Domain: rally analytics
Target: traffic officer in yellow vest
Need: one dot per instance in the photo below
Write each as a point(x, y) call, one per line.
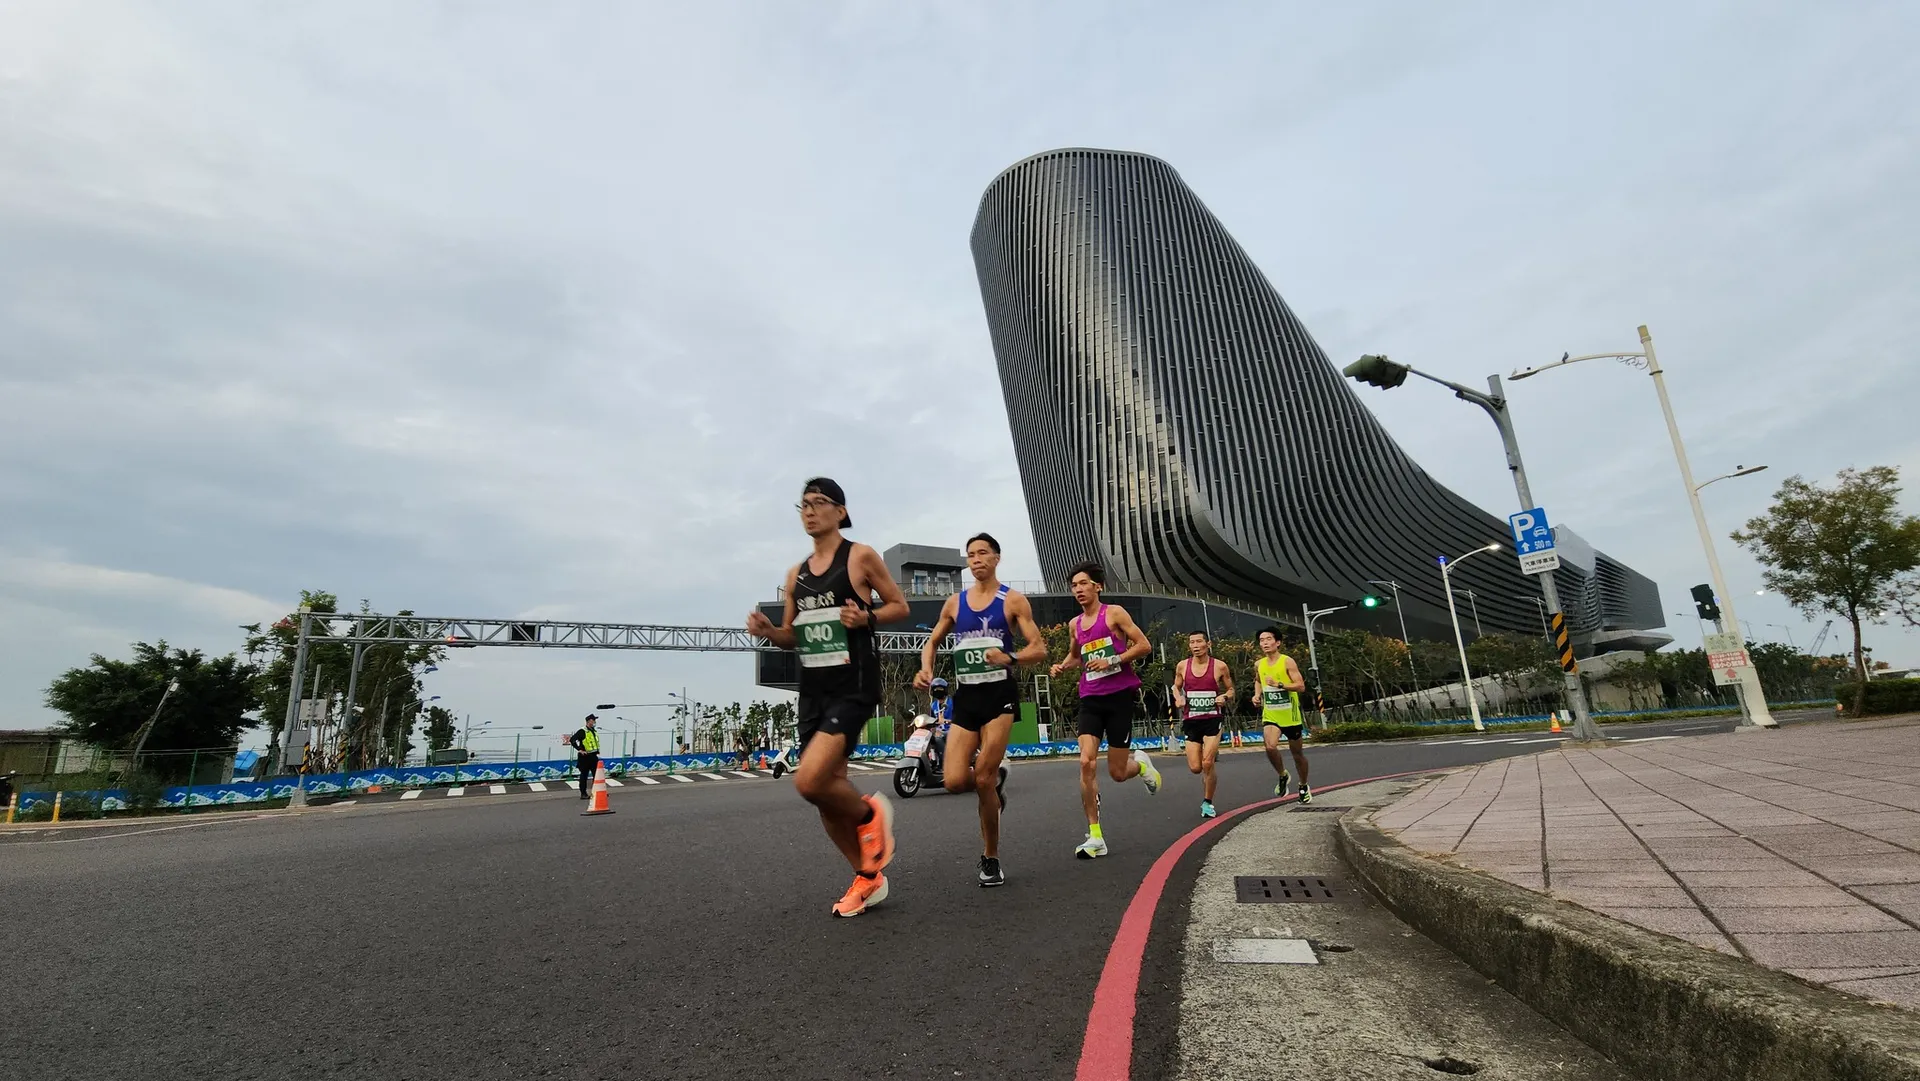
point(586, 742)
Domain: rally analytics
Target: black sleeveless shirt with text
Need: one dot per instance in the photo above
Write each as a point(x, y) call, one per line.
point(836, 661)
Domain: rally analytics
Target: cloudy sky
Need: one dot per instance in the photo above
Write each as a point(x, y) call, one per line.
point(500, 309)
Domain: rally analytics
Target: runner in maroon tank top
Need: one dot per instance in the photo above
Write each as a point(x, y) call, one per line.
point(1202, 686)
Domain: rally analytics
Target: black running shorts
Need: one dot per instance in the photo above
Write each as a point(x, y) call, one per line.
point(1206, 728)
point(975, 704)
point(1110, 716)
point(836, 716)
point(1287, 731)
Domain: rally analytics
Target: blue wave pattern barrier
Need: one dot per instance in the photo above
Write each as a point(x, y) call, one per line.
point(328, 784)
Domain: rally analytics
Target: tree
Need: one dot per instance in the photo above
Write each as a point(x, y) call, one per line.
point(106, 703)
point(388, 694)
point(440, 728)
point(1844, 550)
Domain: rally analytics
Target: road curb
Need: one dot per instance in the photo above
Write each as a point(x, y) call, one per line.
point(1663, 1007)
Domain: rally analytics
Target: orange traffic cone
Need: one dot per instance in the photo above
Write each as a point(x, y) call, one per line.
point(599, 805)
point(1556, 721)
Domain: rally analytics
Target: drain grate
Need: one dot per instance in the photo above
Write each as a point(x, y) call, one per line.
point(1286, 890)
point(1317, 807)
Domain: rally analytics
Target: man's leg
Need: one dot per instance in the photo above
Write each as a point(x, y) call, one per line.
point(1194, 763)
point(1299, 750)
point(821, 779)
point(585, 764)
point(1209, 756)
point(1271, 735)
point(956, 763)
point(1120, 763)
point(986, 780)
point(1089, 780)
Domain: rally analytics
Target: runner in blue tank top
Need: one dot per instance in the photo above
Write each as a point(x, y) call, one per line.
point(983, 619)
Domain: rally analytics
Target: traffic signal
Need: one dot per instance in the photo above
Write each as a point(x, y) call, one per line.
point(1704, 602)
point(1371, 601)
point(1378, 371)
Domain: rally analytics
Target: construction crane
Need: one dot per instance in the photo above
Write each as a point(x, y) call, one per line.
point(1820, 639)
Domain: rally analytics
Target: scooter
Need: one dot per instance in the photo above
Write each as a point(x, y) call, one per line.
point(785, 761)
point(920, 764)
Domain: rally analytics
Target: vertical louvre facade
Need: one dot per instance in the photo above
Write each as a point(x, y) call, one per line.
point(1173, 419)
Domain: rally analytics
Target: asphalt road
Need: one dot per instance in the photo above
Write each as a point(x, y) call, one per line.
point(686, 936)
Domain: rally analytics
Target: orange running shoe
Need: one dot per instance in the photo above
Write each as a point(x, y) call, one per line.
point(863, 893)
point(876, 836)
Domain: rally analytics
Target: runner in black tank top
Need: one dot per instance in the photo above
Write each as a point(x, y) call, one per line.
point(830, 622)
point(818, 599)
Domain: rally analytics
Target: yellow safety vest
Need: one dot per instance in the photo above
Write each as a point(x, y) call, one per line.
point(589, 741)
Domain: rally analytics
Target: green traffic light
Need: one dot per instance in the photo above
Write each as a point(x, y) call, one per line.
point(1369, 602)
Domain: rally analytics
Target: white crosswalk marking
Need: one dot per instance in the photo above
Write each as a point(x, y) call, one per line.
point(497, 789)
point(683, 778)
point(742, 773)
point(456, 791)
point(647, 780)
point(615, 782)
point(856, 765)
point(536, 786)
point(346, 803)
point(410, 794)
point(713, 776)
point(1549, 739)
point(1648, 739)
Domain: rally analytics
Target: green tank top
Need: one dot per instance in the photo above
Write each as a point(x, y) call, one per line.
point(1277, 704)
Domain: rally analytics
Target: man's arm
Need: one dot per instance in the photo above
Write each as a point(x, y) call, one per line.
point(1224, 673)
point(1294, 680)
point(760, 626)
point(869, 574)
point(1123, 624)
point(924, 678)
point(1020, 614)
point(1072, 660)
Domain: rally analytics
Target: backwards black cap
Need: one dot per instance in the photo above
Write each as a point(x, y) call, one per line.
point(830, 488)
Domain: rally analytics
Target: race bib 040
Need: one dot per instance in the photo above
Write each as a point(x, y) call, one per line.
point(822, 638)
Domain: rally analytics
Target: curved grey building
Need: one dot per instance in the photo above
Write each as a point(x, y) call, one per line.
point(1172, 418)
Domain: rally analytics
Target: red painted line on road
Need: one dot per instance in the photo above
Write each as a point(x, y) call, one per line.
point(1106, 1053)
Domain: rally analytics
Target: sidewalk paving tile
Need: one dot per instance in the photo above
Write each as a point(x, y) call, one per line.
point(1715, 897)
point(1899, 990)
point(1793, 920)
point(1646, 897)
point(1817, 949)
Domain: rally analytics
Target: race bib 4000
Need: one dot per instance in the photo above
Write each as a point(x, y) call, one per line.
point(822, 638)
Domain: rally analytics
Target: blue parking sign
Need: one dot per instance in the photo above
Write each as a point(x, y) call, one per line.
point(1533, 541)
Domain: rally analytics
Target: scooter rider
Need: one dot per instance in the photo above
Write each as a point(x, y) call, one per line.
point(940, 708)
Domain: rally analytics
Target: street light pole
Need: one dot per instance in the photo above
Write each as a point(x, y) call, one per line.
point(1453, 613)
point(1753, 699)
point(1383, 372)
point(1313, 656)
point(1397, 610)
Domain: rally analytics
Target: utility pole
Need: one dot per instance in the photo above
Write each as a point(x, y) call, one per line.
point(299, 796)
point(1307, 616)
point(1381, 372)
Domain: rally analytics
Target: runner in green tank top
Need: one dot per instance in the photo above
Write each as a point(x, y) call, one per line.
point(1277, 684)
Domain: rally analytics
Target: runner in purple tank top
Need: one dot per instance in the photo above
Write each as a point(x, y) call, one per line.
point(1202, 684)
point(1106, 642)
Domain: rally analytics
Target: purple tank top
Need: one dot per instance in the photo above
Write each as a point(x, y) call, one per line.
point(1095, 639)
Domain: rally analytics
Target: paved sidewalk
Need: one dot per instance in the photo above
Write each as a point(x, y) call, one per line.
point(1798, 849)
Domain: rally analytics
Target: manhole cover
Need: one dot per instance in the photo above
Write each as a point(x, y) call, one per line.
point(1285, 890)
point(1264, 951)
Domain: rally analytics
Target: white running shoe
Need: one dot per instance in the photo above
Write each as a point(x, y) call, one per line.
point(1091, 848)
point(1148, 772)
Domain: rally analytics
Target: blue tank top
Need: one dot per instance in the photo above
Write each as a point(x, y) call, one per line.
point(976, 632)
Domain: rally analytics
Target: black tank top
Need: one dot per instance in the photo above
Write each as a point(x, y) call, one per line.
point(836, 661)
